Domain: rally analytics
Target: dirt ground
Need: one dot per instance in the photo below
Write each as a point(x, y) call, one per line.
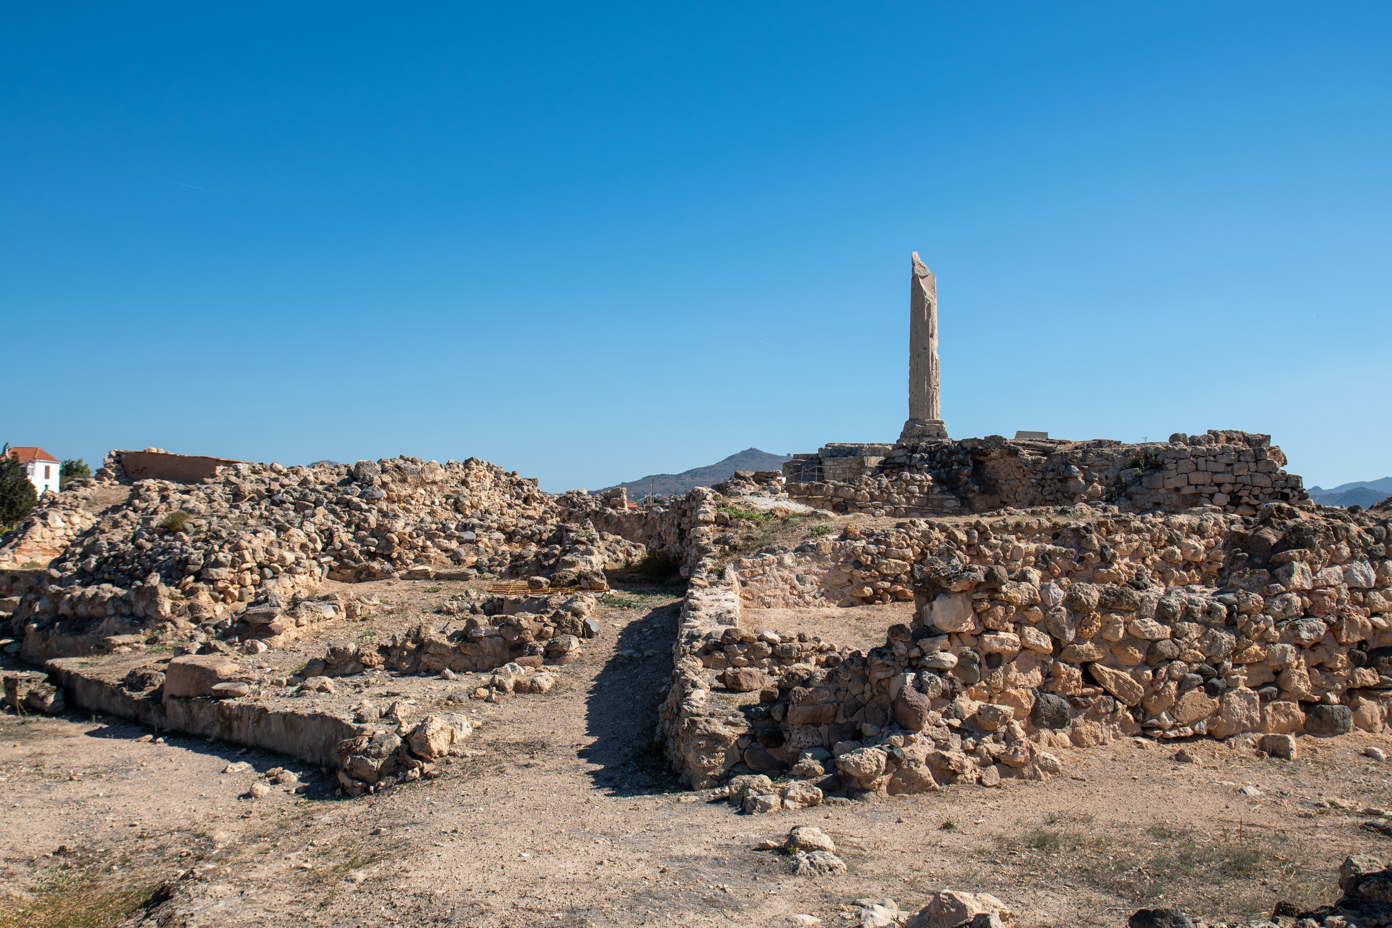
point(862, 627)
point(564, 815)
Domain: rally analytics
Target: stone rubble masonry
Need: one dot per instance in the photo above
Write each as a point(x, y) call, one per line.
point(257, 539)
point(1235, 471)
point(231, 565)
point(1045, 630)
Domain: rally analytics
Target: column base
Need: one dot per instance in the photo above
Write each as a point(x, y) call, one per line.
point(923, 430)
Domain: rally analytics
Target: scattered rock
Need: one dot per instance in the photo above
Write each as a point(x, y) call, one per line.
point(810, 838)
point(817, 863)
point(950, 909)
point(230, 690)
point(1158, 918)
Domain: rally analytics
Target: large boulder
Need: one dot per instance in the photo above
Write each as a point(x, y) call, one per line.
point(1239, 710)
point(949, 909)
point(1050, 711)
point(439, 736)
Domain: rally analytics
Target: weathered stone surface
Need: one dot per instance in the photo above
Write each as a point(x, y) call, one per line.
point(912, 709)
point(1159, 918)
point(1119, 684)
point(743, 679)
point(439, 736)
point(1323, 719)
point(1239, 710)
point(950, 612)
point(925, 412)
point(810, 838)
point(951, 909)
point(195, 675)
point(1050, 711)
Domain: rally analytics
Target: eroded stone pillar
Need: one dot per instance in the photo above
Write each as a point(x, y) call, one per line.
point(925, 411)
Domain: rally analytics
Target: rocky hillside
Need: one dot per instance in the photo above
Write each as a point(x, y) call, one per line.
point(709, 475)
point(1359, 493)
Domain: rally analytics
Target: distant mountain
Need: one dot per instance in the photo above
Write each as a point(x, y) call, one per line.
point(709, 475)
point(1361, 493)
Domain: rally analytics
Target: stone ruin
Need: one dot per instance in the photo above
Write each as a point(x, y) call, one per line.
point(1064, 594)
point(926, 474)
point(1055, 595)
point(165, 596)
point(1041, 631)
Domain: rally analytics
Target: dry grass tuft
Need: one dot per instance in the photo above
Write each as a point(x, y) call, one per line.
point(1235, 872)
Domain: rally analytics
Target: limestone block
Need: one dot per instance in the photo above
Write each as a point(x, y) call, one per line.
point(1119, 684)
point(1193, 706)
point(1359, 574)
point(863, 765)
point(1147, 629)
point(1239, 710)
point(1082, 652)
point(1000, 643)
point(195, 675)
point(1034, 639)
point(1369, 715)
point(949, 909)
point(439, 736)
point(951, 612)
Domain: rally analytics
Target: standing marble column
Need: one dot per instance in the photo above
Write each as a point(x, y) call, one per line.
point(925, 411)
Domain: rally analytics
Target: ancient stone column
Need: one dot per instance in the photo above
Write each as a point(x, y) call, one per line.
point(925, 412)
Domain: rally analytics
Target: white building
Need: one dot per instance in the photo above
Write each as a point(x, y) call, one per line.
point(41, 467)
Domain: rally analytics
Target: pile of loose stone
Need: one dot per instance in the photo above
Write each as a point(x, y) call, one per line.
point(1058, 630)
point(50, 528)
point(525, 632)
point(225, 574)
point(1365, 884)
point(245, 546)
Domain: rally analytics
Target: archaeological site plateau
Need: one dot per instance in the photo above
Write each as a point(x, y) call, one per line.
point(969, 674)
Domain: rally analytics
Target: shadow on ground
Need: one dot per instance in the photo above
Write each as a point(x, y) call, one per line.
point(621, 710)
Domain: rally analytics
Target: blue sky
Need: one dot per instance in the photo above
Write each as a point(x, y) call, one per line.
point(593, 241)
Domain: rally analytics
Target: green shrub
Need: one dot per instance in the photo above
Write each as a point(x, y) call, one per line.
point(174, 522)
point(738, 514)
point(74, 467)
point(17, 494)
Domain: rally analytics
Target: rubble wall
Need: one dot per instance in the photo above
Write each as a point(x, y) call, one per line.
point(1237, 471)
point(1064, 630)
point(194, 558)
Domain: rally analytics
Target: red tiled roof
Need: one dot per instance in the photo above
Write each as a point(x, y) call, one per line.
point(32, 454)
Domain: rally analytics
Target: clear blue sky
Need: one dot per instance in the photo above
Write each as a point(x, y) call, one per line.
point(593, 241)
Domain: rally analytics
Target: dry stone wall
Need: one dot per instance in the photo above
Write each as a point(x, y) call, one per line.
point(1059, 629)
point(50, 527)
point(1238, 471)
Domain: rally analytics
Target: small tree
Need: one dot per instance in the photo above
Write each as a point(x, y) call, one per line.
point(70, 469)
point(17, 493)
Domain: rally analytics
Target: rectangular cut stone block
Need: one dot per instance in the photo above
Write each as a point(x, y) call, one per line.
point(196, 674)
